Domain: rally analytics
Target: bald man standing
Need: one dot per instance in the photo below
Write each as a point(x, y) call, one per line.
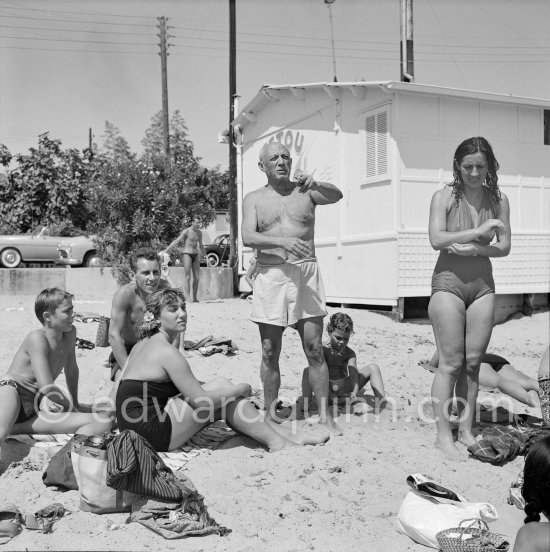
point(279, 223)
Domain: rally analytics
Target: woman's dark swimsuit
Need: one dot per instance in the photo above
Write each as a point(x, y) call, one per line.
point(469, 278)
point(496, 361)
point(140, 405)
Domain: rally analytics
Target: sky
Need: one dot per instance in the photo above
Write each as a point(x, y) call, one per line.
point(70, 65)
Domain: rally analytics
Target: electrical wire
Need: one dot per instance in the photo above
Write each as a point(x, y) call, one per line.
point(70, 30)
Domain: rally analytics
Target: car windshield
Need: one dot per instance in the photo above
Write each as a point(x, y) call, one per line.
point(39, 231)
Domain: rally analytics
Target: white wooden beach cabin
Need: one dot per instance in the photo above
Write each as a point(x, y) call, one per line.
point(389, 146)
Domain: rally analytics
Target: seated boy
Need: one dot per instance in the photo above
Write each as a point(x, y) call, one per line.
point(345, 379)
point(44, 353)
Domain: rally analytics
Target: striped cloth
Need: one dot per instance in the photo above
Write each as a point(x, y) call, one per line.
point(133, 465)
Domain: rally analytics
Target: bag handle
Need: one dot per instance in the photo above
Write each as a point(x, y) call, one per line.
point(482, 527)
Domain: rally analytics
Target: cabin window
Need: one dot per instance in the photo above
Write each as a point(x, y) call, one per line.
point(547, 127)
point(376, 144)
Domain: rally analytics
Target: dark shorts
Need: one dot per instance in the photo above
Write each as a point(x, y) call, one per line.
point(496, 361)
point(27, 400)
point(113, 363)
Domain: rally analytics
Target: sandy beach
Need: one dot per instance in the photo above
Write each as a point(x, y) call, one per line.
point(343, 495)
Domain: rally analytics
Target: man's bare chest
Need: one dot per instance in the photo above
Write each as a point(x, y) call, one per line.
point(295, 209)
point(136, 311)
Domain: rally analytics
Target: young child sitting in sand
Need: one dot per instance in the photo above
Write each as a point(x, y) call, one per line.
point(535, 537)
point(345, 379)
point(44, 353)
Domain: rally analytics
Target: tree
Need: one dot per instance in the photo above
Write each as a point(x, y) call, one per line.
point(115, 146)
point(181, 147)
point(141, 203)
point(48, 187)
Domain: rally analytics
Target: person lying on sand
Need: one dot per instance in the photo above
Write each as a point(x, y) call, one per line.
point(28, 387)
point(497, 372)
point(345, 379)
point(160, 398)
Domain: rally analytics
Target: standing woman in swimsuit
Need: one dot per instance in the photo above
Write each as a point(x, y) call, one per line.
point(469, 223)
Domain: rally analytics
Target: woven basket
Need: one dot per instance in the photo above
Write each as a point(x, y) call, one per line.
point(472, 535)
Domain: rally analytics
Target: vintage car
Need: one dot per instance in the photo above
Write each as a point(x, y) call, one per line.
point(77, 251)
point(39, 247)
point(217, 253)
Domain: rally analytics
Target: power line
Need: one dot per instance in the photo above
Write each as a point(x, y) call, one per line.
point(72, 51)
point(372, 42)
point(77, 21)
point(65, 12)
point(81, 41)
point(71, 30)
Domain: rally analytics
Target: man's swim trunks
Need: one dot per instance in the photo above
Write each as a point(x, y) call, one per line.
point(469, 278)
point(113, 363)
point(27, 399)
point(288, 292)
point(193, 256)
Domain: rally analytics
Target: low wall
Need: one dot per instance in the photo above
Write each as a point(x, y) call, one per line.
point(94, 282)
point(30, 281)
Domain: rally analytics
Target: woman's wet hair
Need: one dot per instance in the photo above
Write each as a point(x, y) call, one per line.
point(469, 147)
point(149, 323)
point(340, 321)
point(536, 481)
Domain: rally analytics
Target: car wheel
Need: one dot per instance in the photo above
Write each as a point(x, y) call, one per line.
point(212, 260)
point(10, 258)
point(91, 259)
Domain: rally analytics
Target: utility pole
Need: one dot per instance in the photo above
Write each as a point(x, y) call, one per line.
point(407, 50)
point(163, 57)
point(233, 212)
point(329, 6)
point(90, 144)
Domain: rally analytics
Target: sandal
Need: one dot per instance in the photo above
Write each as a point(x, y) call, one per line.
point(44, 519)
point(84, 343)
point(10, 523)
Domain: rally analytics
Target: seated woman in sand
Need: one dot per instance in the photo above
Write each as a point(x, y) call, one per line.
point(160, 399)
point(533, 536)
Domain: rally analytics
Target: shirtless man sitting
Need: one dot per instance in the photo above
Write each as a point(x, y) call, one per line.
point(279, 222)
point(29, 386)
point(192, 250)
point(128, 307)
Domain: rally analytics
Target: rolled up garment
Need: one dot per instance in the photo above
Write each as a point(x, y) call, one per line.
point(544, 394)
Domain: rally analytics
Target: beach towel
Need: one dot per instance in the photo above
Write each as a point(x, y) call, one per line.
point(134, 466)
point(173, 520)
point(202, 442)
point(499, 445)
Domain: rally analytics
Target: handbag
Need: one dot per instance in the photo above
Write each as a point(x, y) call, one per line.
point(471, 535)
point(429, 508)
point(59, 472)
point(102, 336)
point(90, 469)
